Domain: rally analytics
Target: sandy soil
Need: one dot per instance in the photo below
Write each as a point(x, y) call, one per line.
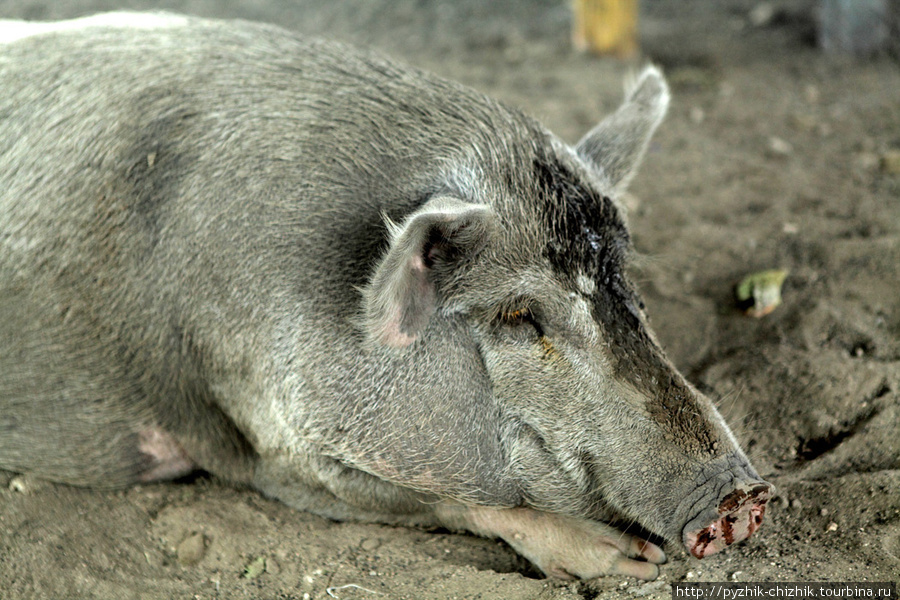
point(772, 156)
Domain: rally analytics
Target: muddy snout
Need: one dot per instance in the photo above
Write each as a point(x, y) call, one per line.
point(738, 515)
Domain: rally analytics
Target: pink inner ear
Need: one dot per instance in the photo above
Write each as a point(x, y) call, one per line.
point(417, 265)
point(402, 296)
point(410, 309)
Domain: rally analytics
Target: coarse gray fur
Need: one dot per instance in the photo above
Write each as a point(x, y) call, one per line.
point(367, 291)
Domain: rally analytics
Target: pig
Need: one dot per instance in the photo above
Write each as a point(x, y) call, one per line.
point(361, 289)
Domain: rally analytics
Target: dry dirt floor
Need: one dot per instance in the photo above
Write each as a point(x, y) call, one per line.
point(773, 156)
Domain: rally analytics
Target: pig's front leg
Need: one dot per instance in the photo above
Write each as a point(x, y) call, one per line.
point(560, 546)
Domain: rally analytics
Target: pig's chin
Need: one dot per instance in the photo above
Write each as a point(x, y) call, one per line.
point(740, 514)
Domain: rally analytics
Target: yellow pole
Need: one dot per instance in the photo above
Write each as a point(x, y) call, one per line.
point(605, 26)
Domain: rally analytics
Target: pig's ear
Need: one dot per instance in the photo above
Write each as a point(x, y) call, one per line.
point(615, 147)
point(402, 295)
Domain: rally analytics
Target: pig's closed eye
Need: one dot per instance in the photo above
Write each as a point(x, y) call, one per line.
point(521, 317)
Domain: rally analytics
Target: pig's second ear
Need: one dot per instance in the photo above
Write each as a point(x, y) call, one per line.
point(403, 292)
point(615, 147)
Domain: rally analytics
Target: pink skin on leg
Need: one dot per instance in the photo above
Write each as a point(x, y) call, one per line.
point(563, 547)
point(168, 458)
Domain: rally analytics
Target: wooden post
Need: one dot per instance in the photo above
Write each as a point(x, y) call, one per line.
point(605, 26)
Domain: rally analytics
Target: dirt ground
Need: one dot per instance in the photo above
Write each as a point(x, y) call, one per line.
point(773, 156)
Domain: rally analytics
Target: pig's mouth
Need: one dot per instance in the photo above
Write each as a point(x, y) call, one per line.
point(740, 513)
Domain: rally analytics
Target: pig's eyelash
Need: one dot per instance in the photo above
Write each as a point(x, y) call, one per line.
point(521, 316)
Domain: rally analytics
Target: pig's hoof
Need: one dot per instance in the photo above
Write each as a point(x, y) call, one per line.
point(570, 548)
point(622, 555)
point(741, 513)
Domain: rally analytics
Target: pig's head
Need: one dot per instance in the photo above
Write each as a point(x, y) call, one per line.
point(596, 421)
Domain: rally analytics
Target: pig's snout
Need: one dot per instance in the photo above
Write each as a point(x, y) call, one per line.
point(740, 513)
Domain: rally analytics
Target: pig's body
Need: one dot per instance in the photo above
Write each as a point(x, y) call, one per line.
point(368, 292)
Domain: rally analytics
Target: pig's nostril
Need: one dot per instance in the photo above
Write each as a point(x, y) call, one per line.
point(763, 488)
point(740, 515)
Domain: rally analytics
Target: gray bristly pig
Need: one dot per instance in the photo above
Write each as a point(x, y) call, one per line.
point(368, 292)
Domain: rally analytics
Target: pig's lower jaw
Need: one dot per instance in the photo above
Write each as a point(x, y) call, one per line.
point(741, 513)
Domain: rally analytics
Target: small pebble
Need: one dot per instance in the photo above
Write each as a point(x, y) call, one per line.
point(370, 544)
point(824, 512)
point(191, 549)
point(779, 147)
point(18, 484)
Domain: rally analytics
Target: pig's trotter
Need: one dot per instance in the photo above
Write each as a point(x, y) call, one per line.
point(561, 546)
